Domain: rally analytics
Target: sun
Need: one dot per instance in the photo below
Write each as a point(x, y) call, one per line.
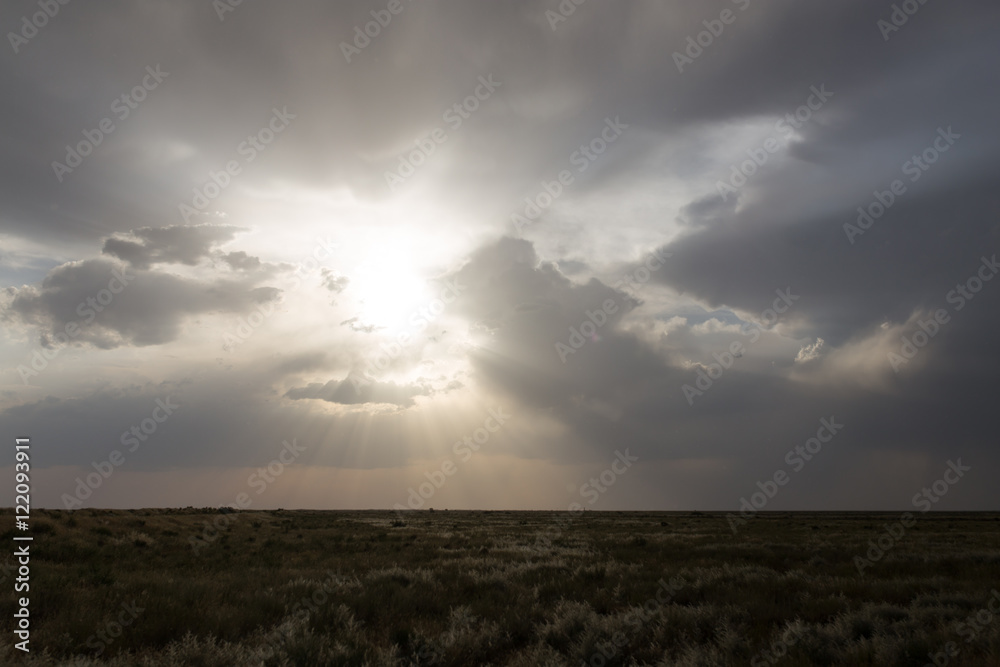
point(389, 287)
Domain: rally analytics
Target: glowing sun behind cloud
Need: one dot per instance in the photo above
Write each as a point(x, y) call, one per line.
point(389, 286)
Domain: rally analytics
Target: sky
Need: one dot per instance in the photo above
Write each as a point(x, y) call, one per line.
point(634, 255)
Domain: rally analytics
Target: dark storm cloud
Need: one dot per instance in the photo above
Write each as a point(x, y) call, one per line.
point(864, 138)
point(898, 265)
point(356, 118)
point(526, 312)
point(622, 389)
point(176, 244)
point(108, 305)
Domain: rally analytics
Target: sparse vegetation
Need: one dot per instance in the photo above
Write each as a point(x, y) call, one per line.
point(472, 588)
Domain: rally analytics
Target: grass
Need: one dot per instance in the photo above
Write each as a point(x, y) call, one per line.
point(281, 588)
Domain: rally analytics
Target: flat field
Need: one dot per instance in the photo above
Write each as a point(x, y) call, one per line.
point(458, 588)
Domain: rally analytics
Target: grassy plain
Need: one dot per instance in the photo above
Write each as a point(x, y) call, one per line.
point(450, 588)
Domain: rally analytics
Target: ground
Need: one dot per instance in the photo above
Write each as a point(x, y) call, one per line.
point(196, 587)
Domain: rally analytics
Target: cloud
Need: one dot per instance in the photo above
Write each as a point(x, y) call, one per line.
point(334, 282)
point(810, 352)
point(358, 392)
point(108, 305)
point(176, 244)
point(241, 261)
point(356, 324)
